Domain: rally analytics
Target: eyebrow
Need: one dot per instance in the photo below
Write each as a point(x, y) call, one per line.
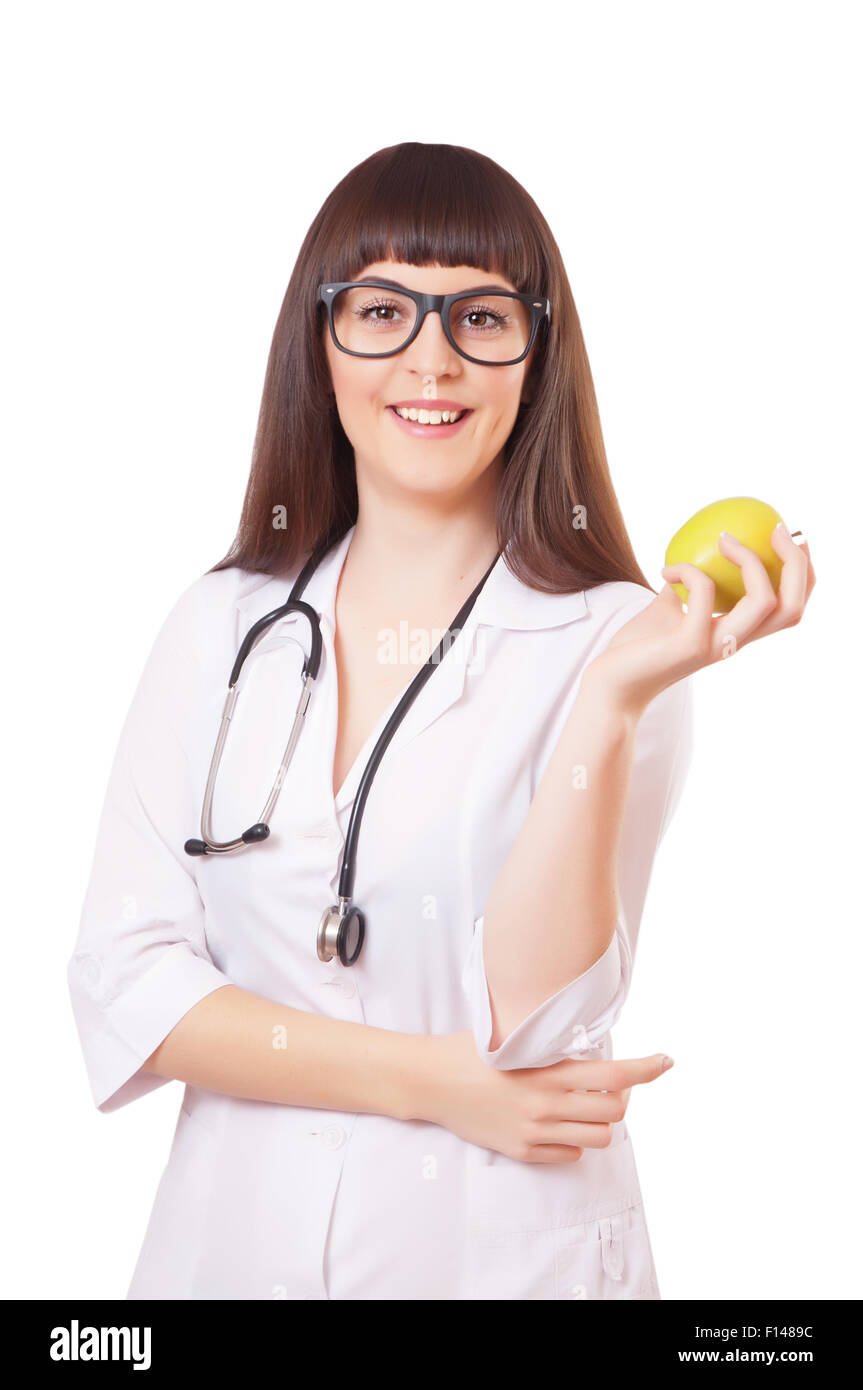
point(396, 285)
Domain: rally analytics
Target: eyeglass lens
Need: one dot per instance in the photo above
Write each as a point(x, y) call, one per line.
point(373, 320)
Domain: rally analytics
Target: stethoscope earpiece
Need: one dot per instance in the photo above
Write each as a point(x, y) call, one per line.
point(255, 833)
point(252, 836)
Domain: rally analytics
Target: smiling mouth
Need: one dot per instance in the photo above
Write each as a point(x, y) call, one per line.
point(431, 418)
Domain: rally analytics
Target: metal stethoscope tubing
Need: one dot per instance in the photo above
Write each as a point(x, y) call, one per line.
point(260, 830)
point(342, 927)
point(311, 665)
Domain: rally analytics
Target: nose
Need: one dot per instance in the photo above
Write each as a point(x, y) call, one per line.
point(431, 351)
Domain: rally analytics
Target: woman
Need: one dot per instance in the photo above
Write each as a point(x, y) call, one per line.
point(439, 1117)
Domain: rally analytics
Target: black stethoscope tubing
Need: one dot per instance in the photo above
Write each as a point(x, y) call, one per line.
point(335, 935)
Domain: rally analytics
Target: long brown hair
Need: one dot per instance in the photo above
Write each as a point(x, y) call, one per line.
point(445, 205)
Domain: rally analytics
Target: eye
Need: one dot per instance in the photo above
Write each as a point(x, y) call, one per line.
point(496, 319)
point(373, 311)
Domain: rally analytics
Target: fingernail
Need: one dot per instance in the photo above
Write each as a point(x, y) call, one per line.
point(728, 536)
point(666, 1063)
point(780, 526)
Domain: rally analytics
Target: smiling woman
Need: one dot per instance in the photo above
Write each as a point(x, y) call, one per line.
point(441, 1117)
point(469, 326)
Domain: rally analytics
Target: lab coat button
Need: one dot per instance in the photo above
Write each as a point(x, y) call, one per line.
point(577, 1043)
point(332, 1137)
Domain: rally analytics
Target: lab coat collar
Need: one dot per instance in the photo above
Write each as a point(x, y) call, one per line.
point(504, 600)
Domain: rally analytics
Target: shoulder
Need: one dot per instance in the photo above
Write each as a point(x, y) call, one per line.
point(209, 595)
point(510, 603)
point(203, 624)
point(611, 606)
point(617, 597)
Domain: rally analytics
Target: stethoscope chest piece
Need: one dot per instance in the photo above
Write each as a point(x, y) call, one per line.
point(342, 927)
point(341, 933)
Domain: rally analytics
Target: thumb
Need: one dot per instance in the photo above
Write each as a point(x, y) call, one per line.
point(631, 1071)
point(669, 595)
point(649, 1068)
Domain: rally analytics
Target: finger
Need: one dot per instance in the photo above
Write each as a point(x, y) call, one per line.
point(759, 600)
point(612, 1075)
point(701, 595)
point(669, 595)
point(578, 1134)
point(810, 580)
point(553, 1153)
point(669, 603)
point(587, 1107)
point(794, 582)
point(804, 545)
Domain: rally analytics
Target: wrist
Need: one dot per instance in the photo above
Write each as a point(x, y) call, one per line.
point(609, 708)
point(416, 1079)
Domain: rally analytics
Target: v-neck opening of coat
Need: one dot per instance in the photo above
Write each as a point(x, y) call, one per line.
point(351, 780)
point(345, 794)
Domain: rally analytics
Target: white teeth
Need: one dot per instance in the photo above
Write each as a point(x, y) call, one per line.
point(428, 417)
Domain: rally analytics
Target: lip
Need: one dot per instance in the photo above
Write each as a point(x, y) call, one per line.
point(429, 432)
point(426, 404)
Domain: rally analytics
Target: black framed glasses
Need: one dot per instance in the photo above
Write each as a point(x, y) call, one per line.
point(375, 318)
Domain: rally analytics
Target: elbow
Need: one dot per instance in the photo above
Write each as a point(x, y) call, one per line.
point(572, 1023)
point(125, 1008)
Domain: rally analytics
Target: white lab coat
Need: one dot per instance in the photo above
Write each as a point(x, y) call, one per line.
point(259, 1200)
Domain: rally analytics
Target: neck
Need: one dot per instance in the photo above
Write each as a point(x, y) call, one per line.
point(405, 555)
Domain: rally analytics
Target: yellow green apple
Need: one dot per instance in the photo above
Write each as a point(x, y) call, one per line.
point(697, 542)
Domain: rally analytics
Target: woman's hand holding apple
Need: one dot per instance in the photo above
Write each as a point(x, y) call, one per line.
point(663, 644)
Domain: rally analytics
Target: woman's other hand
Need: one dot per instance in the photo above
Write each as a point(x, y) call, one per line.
point(663, 644)
point(536, 1114)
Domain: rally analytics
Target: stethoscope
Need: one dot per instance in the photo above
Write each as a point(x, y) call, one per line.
point(342, 927)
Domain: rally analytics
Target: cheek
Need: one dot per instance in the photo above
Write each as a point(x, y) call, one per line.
point(349, 397)
point(358, 391)
point(503, 408)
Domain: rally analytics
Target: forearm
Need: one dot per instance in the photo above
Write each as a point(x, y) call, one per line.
point(552, 910)
point(242, 1044)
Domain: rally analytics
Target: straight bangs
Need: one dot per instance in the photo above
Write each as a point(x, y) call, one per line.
point(558, 519)
point(448, 207)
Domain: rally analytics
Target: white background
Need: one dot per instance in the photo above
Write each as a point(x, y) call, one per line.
point(699, 167)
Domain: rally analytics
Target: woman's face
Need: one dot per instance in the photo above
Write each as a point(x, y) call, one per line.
point(390, 456)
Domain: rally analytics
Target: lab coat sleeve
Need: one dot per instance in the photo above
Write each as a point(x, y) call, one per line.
point(575, 1021)
point(141, 960)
